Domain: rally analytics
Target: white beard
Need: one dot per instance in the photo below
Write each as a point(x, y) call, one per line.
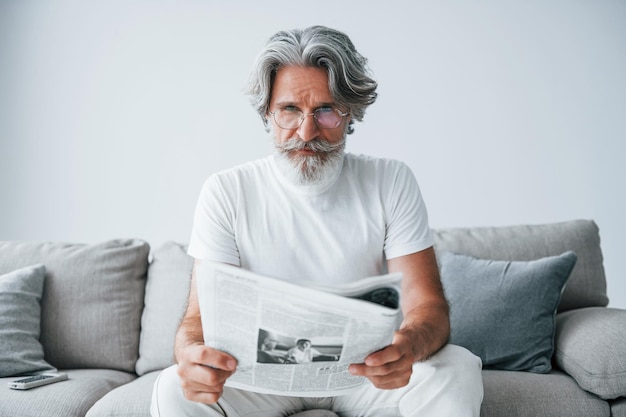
point(310, 169)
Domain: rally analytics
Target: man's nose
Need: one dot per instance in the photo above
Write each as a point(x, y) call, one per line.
point(308, 129)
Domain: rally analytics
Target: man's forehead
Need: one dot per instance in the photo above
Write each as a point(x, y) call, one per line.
point(301, 86)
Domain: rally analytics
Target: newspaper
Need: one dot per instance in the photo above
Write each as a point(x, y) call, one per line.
point(293, 340)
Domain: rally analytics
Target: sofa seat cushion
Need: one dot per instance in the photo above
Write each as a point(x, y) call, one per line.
point(71, 398)
point(514, 394)
point(618, 407)
point(92, 300)
point(130, 400)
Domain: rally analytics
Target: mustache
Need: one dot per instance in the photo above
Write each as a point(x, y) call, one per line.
point(315, 145)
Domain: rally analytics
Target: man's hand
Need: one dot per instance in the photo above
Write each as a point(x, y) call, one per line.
point(203, 372)
point(390, 367)
point(425, 327)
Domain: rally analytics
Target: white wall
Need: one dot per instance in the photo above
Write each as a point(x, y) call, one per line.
point(113, 113)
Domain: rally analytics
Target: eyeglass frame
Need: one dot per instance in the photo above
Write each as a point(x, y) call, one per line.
point(303, 115)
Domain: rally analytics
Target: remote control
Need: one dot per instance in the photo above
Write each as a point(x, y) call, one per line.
point(37, 380)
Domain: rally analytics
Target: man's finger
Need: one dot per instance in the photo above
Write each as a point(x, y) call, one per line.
point(215, 359)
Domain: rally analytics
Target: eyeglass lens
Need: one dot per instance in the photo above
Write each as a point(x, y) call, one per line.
point(326, 118)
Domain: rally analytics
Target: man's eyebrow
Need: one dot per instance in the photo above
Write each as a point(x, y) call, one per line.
point(285, 103)
point(293, 103)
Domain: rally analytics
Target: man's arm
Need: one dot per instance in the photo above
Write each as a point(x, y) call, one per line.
point(202, 370)
point(424, 330)
point(426, 314)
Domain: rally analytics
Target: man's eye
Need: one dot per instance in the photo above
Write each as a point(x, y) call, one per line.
point(324, 110)
point(290, 109)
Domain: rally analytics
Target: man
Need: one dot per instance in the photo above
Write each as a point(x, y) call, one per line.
point(313, 214)
point(304, 352)
point(267, 353)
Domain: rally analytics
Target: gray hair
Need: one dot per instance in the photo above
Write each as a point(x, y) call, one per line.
point(316, 46)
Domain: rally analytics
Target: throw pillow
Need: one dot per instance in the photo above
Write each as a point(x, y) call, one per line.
point(167, 289)
point(20, 293)
point(504, 311)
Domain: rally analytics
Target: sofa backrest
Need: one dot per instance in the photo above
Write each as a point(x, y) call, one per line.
point(92, 300)
point(93, 297)
point(586, 286)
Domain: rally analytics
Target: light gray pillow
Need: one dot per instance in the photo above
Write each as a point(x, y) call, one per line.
point(591, 347)
point(169, 275)
point(20, 312)
point(504, 311)
point(92, 301)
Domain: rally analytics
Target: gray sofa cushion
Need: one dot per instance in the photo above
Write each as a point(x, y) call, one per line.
point(92, 300)
point(591, 347)
point(130, 400)
point(618, 407)
point(71, 398)
point(586, 286)
point(515, 394)
point(504, 311)
point(167, 288)
point(20, 311)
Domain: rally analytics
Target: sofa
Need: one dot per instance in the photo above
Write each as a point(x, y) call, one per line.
point(530, 300)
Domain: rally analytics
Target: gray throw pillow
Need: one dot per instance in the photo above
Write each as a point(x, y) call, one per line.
point(504, 311)
point(169, 276)
point(20, 294)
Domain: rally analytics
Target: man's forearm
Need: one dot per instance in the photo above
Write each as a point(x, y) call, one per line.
point(428, 329)
point(190, 328)
point(426, 321)
point(189, 333)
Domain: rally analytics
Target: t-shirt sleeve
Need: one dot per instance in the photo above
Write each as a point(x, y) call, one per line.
point(407, 218)
point(212, 234)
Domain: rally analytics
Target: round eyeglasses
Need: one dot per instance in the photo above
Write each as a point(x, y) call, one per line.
point(325, 117)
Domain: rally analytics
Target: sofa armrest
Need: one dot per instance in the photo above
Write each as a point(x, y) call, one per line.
point(590, 345)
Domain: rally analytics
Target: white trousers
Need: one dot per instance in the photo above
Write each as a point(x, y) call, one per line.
point(447, 385)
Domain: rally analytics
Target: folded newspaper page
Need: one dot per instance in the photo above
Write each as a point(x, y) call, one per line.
point(294, 340)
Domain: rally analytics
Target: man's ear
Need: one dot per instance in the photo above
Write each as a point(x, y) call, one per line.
point(266, 122)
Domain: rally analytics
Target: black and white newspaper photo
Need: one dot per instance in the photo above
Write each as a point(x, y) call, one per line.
point(294, 340)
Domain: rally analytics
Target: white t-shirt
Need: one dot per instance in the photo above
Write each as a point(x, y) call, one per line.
point(336, 232)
